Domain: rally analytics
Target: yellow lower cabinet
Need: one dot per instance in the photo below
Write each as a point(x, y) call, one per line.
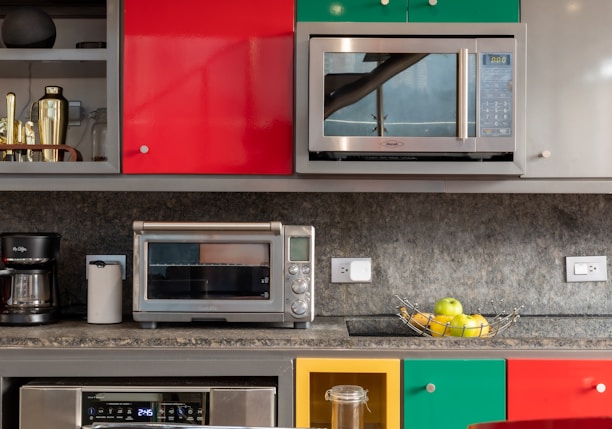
point(315, 376)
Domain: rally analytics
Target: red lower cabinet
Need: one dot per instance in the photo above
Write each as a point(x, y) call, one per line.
point(542, 389)
point(208, 87)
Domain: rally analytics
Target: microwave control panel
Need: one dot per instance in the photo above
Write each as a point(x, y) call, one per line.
point(143, 407)
point(496, 105)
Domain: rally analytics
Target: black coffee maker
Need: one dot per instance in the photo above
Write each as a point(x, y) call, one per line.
point(28, 278)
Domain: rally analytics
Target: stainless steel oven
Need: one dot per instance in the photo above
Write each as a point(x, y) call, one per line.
point(61, 404)
point(223, 272)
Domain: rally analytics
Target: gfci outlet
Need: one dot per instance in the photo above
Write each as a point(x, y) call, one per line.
point(351, 270)
point(105, 258)
point(586, 268)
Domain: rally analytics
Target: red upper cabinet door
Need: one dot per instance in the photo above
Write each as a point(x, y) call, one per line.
point(542, 389)
point(208, 87)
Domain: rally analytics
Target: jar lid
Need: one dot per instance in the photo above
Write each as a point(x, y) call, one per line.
point(347, 393)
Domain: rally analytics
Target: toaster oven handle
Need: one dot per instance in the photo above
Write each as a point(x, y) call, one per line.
point(275, 227)
point(462, 94)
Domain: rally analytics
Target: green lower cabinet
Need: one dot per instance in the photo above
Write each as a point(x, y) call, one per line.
point(463, 10)
point(351, 11)
point(451, 394)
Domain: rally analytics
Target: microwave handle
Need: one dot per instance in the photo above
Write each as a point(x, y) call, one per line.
point(462, 94)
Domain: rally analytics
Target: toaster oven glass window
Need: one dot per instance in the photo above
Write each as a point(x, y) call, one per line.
point(369, 94)
point(208, 271)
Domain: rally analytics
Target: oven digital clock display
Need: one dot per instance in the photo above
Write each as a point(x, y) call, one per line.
point(496, 59)
point(144, 412)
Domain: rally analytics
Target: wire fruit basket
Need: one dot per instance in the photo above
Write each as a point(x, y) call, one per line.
point(426, 324)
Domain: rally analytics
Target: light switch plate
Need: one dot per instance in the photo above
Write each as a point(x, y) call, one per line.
point(586, 268)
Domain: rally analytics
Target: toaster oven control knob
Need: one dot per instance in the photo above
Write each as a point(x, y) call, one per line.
point(299, 307)
point(433, 2)
point(306, 269)
point(299, 286)
point(293, 269)
point(144, 149)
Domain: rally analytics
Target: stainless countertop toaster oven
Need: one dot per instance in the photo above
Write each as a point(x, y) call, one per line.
point(223, 272)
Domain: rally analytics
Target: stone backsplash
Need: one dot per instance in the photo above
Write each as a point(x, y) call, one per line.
point(477, 247)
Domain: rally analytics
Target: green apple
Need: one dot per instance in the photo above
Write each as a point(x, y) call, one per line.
point(464, 325)
point(448, 307)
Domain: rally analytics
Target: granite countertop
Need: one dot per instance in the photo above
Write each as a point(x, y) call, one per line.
point(325, 333)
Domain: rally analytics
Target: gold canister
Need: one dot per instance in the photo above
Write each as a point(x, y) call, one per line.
point(52, 121)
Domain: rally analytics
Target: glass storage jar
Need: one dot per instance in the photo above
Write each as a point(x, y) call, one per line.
point(98, 135)
point(348, 403)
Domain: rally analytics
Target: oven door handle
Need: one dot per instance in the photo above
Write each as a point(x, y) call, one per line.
point(274, 227)
point(462, 94)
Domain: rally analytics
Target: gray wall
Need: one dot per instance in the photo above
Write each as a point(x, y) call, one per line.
point(477, 248)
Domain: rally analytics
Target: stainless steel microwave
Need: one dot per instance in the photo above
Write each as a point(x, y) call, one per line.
point(223, 272)
point(408, 98)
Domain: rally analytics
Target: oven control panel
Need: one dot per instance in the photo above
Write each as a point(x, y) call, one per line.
point(149, 407)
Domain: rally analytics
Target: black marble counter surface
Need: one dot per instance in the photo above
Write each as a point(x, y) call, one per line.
point(325, 334)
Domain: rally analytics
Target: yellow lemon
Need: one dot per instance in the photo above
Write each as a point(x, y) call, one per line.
point(439, 325)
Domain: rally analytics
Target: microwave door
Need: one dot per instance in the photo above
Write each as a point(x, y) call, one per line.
point(414, 95)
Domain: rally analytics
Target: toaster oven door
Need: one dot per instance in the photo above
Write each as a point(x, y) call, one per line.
point(210, 273)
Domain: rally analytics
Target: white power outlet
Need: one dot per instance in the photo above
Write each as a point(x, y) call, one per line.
point(105, 258)
point(351, 270)
point(586, 268)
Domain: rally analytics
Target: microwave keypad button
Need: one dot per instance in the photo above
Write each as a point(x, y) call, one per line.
point(293, 269)
point(299, 307)
point(299, 286)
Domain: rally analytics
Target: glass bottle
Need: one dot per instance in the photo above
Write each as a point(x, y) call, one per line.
point(347, 406)
point(52, 121)
point(98, 135)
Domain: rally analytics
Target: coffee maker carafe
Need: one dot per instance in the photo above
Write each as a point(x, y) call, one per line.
point(28, 280)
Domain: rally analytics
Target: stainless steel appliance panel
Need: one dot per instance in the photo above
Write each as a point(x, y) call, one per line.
point(231, 407)
point(49, 407)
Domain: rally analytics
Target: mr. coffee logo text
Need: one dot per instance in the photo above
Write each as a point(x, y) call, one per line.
point(20, 249)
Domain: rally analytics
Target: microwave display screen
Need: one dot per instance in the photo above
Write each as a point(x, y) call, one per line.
point(299, 249)
point(393, 94)
point(208, 271)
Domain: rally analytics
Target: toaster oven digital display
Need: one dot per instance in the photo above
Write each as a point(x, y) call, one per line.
point(299, 249)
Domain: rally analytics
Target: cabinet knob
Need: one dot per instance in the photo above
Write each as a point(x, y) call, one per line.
point(545, 154)
point(144, 149)
point(431, 388)
point(433, 2)
point(601, 388)
point(384, 2)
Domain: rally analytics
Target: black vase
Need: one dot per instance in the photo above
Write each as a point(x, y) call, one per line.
point(28, 27)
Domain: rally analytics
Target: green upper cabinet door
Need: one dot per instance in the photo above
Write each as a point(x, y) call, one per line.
point(463, 10)
point(452, 393)
point(352, 10)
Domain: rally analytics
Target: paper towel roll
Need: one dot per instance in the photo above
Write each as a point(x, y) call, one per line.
point(104, 289)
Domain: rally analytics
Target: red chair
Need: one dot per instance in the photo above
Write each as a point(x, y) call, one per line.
point(567, 423)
